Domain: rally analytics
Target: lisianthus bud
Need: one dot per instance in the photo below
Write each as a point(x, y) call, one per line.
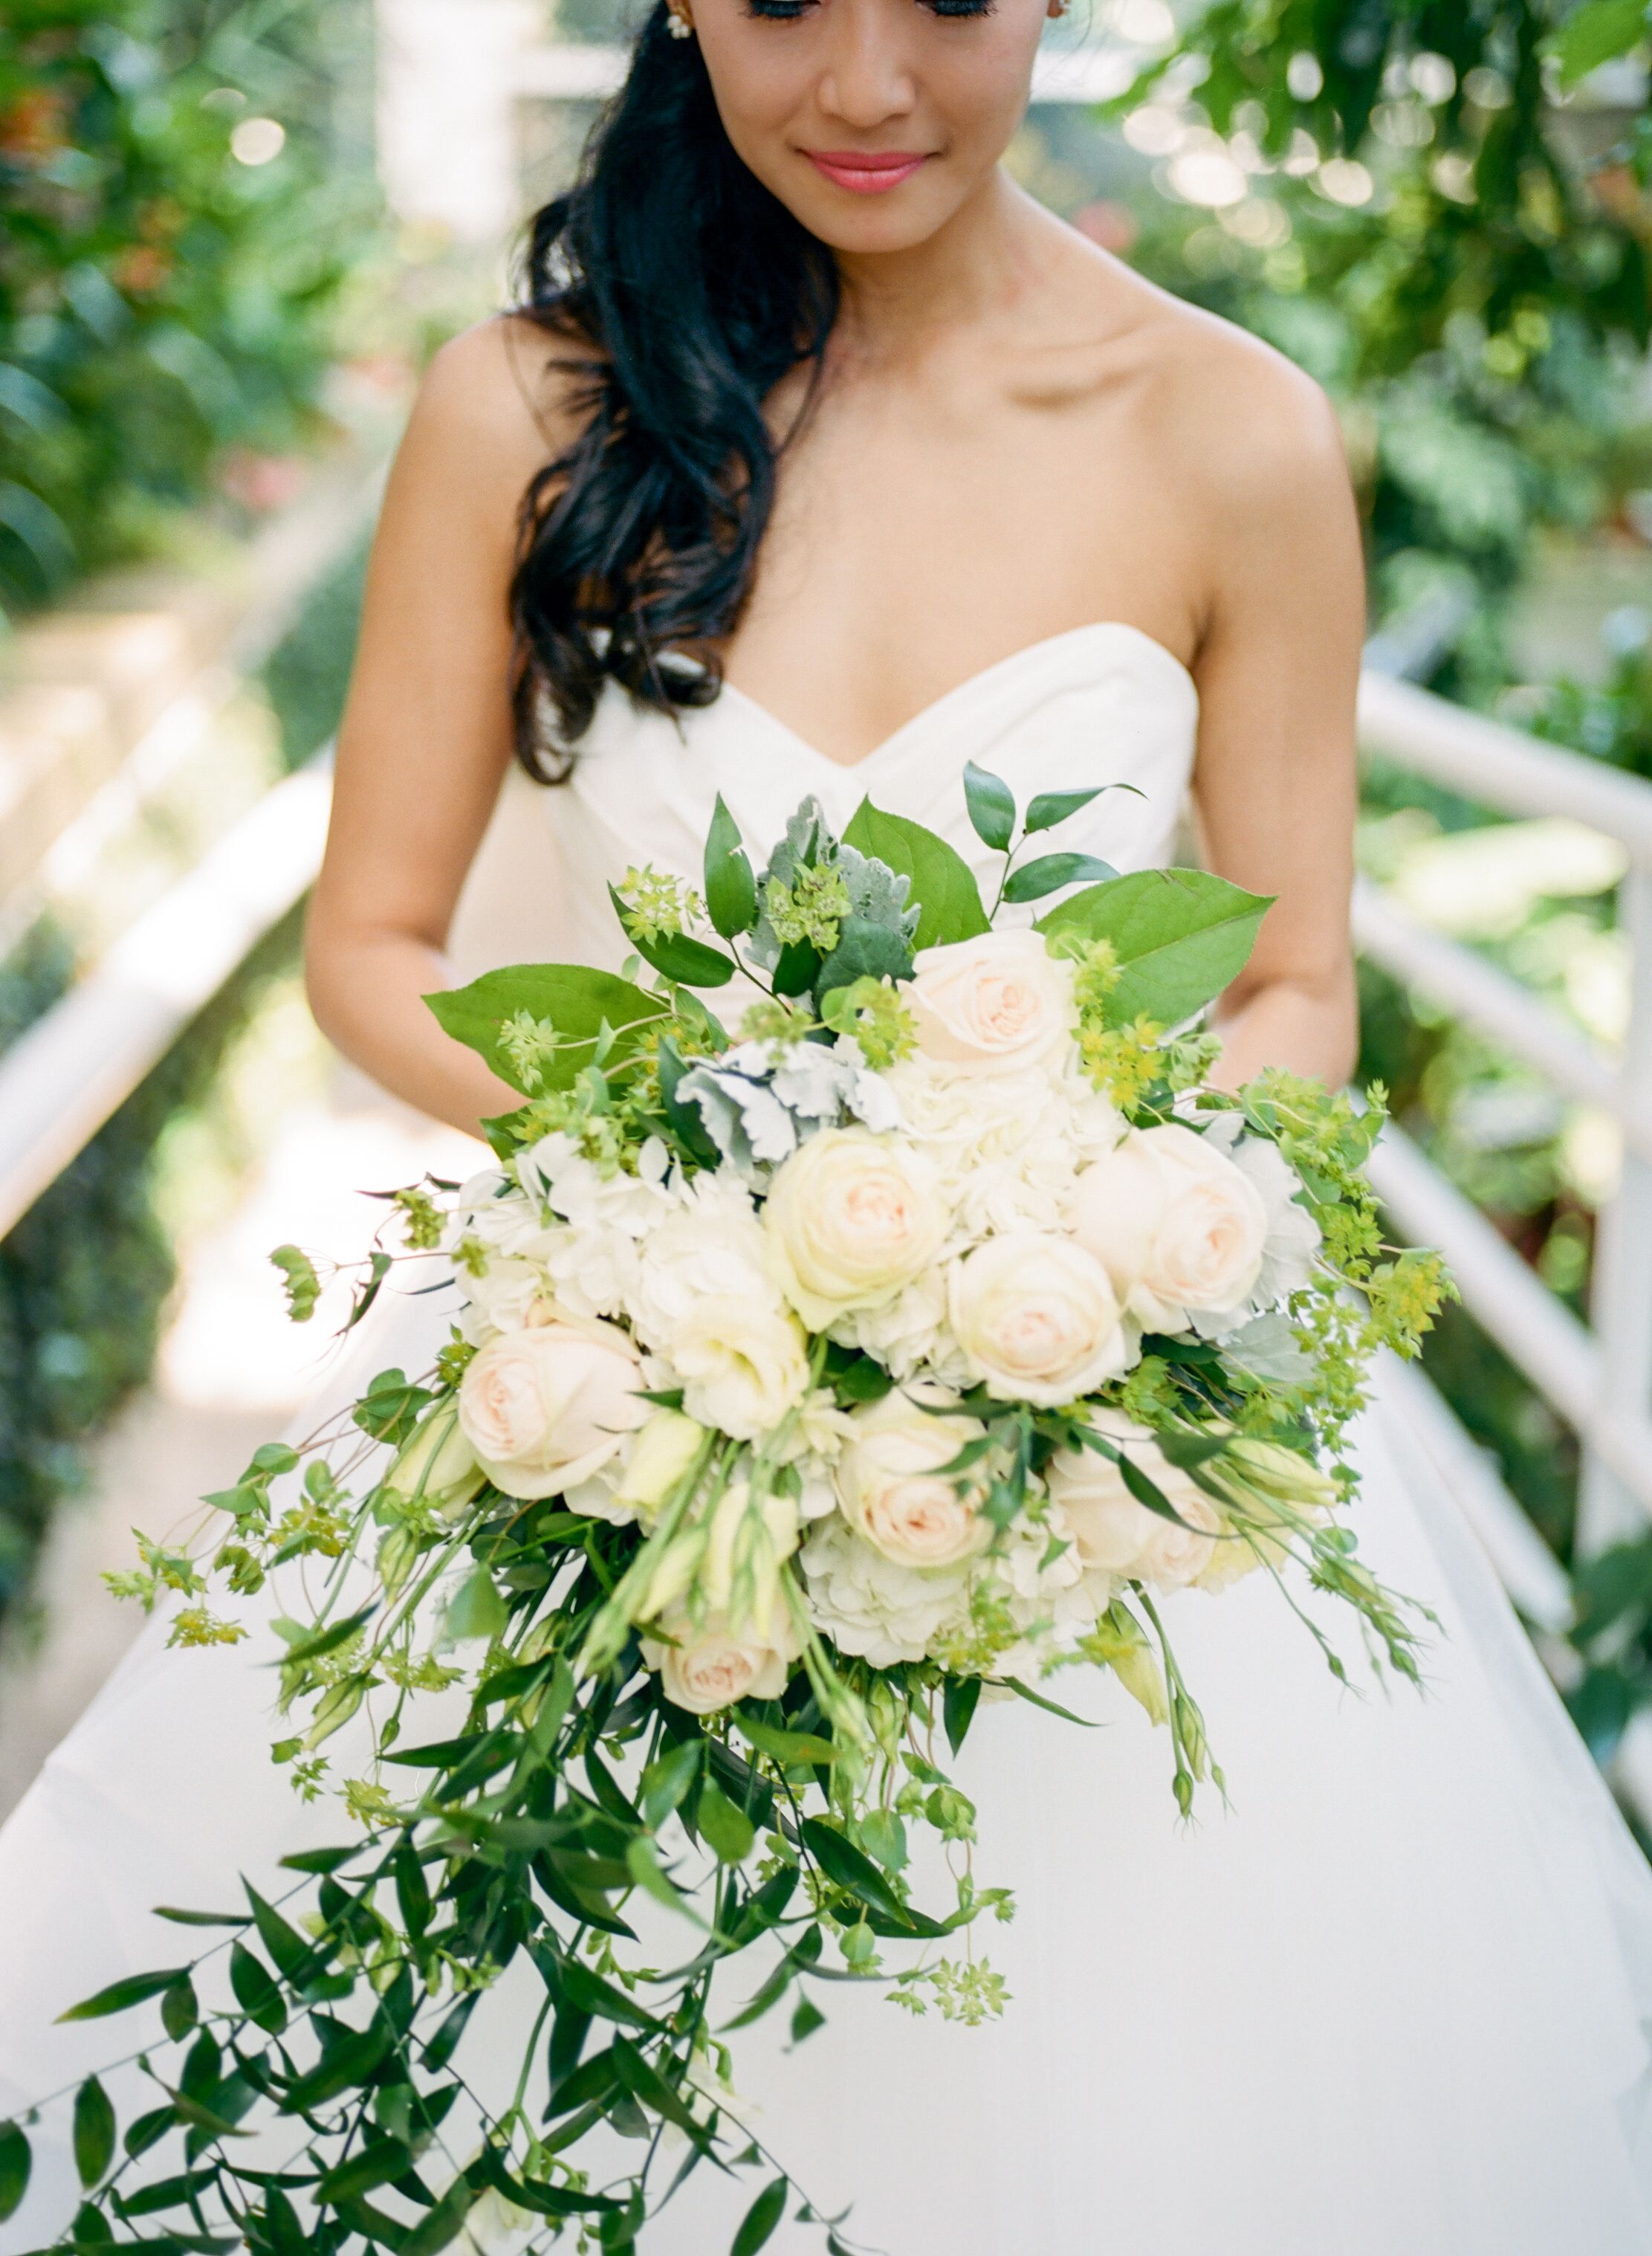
point(1118, 1643)
point(661, 1456)
point(437, 1465)
point(1271, 1471)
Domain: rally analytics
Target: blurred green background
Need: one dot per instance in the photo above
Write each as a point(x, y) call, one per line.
point(231, 230)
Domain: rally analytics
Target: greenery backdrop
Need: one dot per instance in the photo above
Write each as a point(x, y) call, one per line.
point(180, 191)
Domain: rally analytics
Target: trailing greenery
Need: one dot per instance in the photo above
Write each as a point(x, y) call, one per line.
point(165, 280)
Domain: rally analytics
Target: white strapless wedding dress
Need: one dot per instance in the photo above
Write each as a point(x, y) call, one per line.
point(1394, 2002)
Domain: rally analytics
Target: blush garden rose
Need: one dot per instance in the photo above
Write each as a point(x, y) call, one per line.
point(852, 1218)
point(548, 1406)
point(991, 1006)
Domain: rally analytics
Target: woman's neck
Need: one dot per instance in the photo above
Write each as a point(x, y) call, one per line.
point(978, 267)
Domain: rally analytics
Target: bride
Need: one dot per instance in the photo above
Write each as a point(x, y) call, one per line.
point(844, 463)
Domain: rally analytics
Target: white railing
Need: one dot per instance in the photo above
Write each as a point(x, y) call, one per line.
point(1598, 1377)
point(74, 1067)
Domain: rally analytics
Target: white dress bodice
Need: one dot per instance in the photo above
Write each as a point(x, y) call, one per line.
point(1103, 704)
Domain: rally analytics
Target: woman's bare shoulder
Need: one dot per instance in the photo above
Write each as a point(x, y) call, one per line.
point(1246, 424)
point(1225, 415)
point(497, 404)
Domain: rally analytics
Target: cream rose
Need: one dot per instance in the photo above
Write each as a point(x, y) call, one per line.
point(546, 1407)
point(1037, 1318)
point(710, 1667)
point(742, 1362)
point(1177, 1227)
point(890, 1489)
point(995, 1004)
point(1114, 1533)
point(851, 1217)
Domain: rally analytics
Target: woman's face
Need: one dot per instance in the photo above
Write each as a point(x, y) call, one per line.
point(873, 121)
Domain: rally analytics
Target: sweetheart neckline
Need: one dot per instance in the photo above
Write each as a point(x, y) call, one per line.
point(955, 695)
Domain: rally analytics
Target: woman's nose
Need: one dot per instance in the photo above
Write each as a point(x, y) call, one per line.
point(866, 77)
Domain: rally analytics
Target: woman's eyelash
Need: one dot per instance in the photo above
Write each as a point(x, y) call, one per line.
point(788, 11)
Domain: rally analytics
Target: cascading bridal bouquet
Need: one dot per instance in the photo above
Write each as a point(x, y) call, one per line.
point(924, 1339)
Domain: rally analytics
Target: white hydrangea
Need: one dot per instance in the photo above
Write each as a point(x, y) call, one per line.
point(711, 1241)
point(1051, 1602)
point(909, 1333)
point(1005, 1148)
point(868, 1605)
point(506, 1267)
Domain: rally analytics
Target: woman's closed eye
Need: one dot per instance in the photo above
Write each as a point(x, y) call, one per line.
point(788, 11)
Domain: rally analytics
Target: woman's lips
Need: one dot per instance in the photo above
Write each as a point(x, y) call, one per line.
point(866, 172)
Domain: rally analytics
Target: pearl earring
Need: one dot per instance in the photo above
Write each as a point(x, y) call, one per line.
point(678, 25)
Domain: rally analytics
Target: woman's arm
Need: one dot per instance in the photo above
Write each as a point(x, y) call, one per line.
point(426, 736)
point(1278, 672)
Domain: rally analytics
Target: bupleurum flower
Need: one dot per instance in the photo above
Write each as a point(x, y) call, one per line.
point(659, 905)
point(811, 908)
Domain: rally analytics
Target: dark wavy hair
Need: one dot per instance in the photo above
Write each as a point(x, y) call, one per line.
point(685, 292)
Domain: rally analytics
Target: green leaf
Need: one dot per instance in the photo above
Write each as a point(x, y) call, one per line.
point(381, 2163)
point(644, 1867)
point(93, 2131)
point(16, 2161)
point(326, 1641)
point(676, 955)
point(1049, 872)
point(179, 2009)
point(1181, 936)
point(119, 1995)
point(884, 1834)
point(758, 2224)
point(942, 884)
point(842, 1862)
point(645, 2082)
point(792, 1748)
point(576, 1000)
point(797, 968)
point(959, 1704)
point(347, 2067)
point(1050, 1707)
point(1049, 807)
point(667, 1780)
point(865, 950)
point(806, 2019)
point(445, 2043)
point(284, 1944)
point(476, 1609)
point(147, 2130)
point(1597, 34)
point(256, 1991)
point(439, 2225)
point(992, 808)
point(731, 890)
point(728, 1830)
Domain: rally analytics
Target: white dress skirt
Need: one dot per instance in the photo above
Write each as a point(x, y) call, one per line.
point(1396, 2000)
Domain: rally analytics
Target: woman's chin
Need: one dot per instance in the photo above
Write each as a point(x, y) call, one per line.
point(860, 225)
